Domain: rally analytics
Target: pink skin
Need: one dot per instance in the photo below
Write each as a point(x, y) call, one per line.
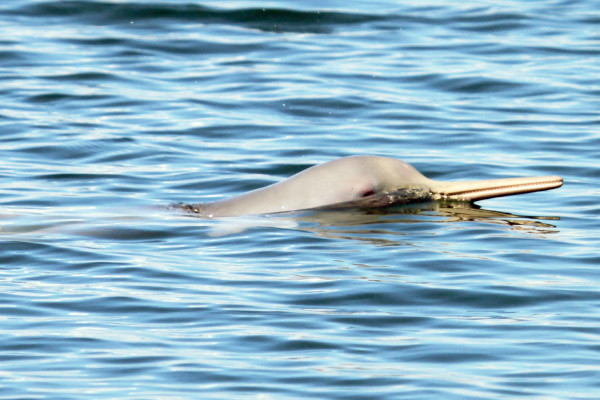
point(357, 177)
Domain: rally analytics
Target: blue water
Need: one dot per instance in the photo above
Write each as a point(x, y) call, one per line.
point(112, 110)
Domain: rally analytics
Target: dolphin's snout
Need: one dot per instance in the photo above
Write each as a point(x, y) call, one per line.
point(480, 190)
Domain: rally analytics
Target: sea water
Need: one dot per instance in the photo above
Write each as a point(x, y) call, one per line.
point(110, 111)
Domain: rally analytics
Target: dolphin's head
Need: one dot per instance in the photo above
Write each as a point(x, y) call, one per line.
point(364, 182)
point(357, 177)
point(395, 175)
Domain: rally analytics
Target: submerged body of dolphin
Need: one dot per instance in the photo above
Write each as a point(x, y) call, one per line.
point(364, 182)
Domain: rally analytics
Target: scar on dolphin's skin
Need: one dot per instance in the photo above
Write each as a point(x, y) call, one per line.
point(363, 182)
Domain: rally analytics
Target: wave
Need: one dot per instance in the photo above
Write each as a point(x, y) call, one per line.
point(266, 19)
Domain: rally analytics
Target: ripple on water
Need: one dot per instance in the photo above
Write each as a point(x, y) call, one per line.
point(111, 111)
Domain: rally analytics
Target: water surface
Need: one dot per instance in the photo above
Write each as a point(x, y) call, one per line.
point(110, 111)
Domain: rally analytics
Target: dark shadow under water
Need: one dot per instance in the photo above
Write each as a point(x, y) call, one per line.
point(350, 222)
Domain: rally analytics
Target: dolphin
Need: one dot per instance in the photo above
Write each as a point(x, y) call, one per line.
point(363, 182)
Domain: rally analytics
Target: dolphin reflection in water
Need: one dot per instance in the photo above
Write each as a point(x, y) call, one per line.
point(363, 183)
